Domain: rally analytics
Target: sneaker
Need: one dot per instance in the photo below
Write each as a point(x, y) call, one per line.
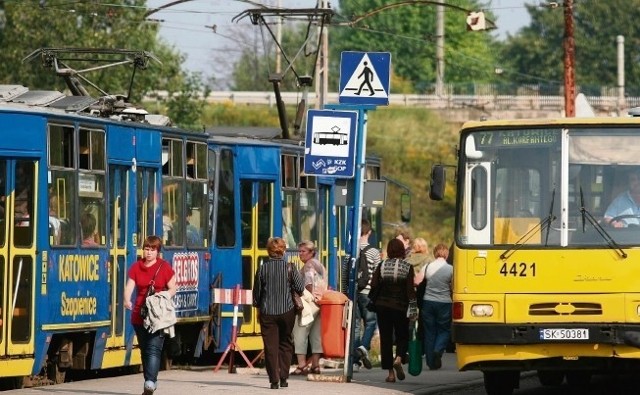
point(364, 357)
point(356, 367)
point(149, 387)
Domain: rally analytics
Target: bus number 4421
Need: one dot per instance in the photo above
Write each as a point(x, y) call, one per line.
point(518, 269)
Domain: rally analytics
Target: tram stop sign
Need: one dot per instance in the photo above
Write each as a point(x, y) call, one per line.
point(330, 144)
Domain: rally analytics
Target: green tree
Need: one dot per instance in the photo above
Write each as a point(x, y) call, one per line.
point(185, 107)
point(536, 54)
point(408, 33)
point(61, 23)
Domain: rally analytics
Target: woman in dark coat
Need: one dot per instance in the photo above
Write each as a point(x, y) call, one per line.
point(394, 297)
point(272, 287)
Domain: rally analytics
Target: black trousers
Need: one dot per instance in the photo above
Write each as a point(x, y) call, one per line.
point(278, 344)
point(392, 324)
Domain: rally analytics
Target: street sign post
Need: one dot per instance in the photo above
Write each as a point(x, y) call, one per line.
point(330, 144)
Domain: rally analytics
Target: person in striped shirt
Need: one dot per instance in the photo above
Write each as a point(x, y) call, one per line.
point(274, 281)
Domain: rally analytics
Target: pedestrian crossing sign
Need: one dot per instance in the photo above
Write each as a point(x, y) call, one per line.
point(364, 78)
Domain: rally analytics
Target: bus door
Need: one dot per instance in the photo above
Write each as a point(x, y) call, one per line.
point(18, 193)
point(257, 225)
point(119, 198)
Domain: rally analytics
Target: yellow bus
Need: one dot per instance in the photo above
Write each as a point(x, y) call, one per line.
point(547, 249)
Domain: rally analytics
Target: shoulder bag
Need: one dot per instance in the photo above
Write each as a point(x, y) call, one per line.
point(144, 310)
point(297, 301)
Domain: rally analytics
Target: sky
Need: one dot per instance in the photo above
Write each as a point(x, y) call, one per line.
point(190, 26)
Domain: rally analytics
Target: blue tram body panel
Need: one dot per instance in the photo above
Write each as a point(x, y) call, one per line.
point(120, 143)
point(77, 288)
point(22, 132)
point(148, 145)
point(258, 161)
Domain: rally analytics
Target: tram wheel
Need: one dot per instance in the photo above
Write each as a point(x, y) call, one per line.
point(550, 377)
point(55, 374)
point(501, 383)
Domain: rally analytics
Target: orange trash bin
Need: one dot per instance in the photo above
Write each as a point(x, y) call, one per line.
point(333, 334)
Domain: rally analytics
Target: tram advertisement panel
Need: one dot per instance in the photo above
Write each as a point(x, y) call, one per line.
point(191, 280)
point(77, 287)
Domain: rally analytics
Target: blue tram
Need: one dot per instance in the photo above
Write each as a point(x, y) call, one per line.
point(80, 190)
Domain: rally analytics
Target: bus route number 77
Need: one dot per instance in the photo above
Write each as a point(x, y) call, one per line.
point(521, 269)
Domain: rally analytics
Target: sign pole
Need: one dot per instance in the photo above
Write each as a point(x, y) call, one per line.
point(356, 219)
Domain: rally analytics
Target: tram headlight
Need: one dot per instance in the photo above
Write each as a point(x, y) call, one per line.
point(482, 310)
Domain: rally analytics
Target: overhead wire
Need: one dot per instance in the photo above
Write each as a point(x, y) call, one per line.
point(60, 7)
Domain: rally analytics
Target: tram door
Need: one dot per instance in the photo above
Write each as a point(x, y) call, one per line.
point(18, 193)
point(119, 200)
point(257, 225)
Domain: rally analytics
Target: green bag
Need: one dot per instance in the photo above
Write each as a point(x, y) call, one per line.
point(415, 352)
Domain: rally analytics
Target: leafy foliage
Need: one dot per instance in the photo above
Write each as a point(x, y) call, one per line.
point(408, 32)
point(64, 24)
point(536, 53)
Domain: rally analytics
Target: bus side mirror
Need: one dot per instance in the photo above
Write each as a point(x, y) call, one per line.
point(405, 207)
point(438, 180)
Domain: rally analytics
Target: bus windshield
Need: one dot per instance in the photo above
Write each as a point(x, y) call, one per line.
point(538, 187)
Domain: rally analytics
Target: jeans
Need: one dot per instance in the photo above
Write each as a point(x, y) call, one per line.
point(151, 350)
point(370, 323)
point(436, 318)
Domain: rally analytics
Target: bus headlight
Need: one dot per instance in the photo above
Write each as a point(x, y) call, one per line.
point(482, 310)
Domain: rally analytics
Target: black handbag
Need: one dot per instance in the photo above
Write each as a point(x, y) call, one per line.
point(144, 310)
point(297, 300)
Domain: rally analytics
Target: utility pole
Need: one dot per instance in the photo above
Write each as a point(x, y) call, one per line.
point(620, 52)
point(440, 50)
point(569, 61)
point(322, 77)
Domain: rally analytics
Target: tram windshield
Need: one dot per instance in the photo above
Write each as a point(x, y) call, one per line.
point(550, 187)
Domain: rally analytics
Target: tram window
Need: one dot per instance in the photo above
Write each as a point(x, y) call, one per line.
point(306, 182)
point(146, 189)
point(23, 205)
point(246, 213)
point(197, 200)
point(3, 202)
point(265, 213)
point(196, 160)
point(290, 232)
point(308, 219)
point(62, 195)
point(92, 202)
point(479, 198)
point(172, 158)
point(373, 172)
point(91, 149)
point(289, 171)
point(226, 215)
point(173, 218)
point(61, 147)
point(22, 289)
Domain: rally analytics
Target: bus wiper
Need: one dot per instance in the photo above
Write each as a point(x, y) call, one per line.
point(605, 235)
point(545, 223)
point(553, 199)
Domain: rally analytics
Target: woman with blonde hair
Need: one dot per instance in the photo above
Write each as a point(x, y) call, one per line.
point(435, 313)
point(313, 273)
point(274, 281)
point(419, 254)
